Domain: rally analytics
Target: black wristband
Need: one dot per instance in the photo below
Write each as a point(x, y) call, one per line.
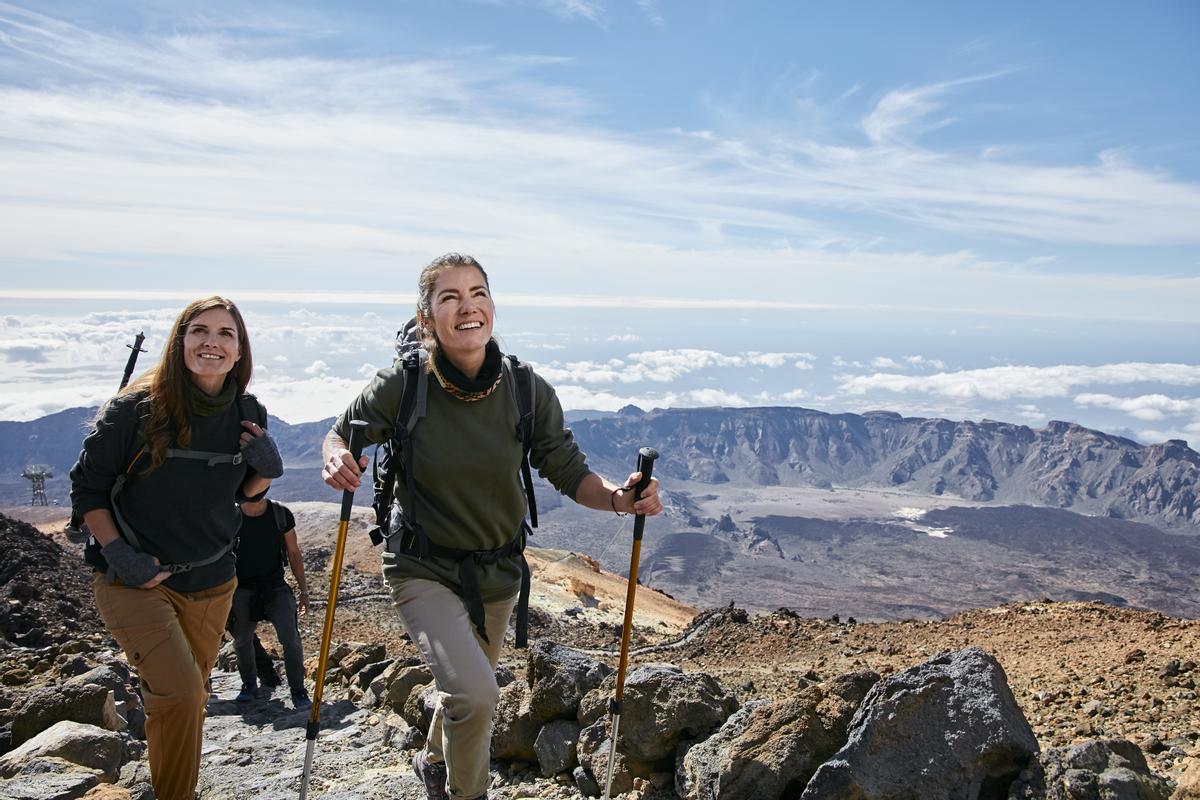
point(244, 498)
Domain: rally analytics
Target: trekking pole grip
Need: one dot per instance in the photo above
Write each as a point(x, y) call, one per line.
point(645, 465)
point(358, 430)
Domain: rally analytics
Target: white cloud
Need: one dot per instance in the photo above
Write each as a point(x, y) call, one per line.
point(130, 145)
point(883, 362)
point(1004, 383)
point(664, 366)
point(1147, 407)
point(624, 337)
point(922, 362)
point(317, 367)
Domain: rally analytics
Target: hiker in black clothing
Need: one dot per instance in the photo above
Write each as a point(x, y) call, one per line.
point(156, 483)
point(268, 533)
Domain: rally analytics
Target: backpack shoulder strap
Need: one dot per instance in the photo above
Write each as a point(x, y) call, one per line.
point(521, 384)
point(280, 516)
point(413, 403)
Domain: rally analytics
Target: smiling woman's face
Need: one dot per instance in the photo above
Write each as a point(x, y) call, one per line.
point(210, 348)
point(462, 311)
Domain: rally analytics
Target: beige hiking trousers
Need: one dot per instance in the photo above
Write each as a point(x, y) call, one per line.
point(172, 639)
point(464, 667)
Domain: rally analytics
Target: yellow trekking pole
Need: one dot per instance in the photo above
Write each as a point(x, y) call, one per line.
point(357, 428)
point(645, 466)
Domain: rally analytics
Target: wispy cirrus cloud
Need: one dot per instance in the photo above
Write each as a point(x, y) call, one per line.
point(241, 149)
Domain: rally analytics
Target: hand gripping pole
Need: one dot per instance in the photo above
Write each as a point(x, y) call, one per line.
point(357, 429)
point(645, 465)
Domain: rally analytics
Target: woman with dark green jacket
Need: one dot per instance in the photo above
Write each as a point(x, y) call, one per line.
point(456, 579)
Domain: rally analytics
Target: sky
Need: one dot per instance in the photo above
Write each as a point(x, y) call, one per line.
point(944, 209)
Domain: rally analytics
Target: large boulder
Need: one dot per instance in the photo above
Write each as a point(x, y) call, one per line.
point(1098, 769)
point(49, 778)
point(559, 677)
point(770, 749)
point(948, 729)
point(87, 703)
point(85, 745)
point(127, 702)
point(661, 706)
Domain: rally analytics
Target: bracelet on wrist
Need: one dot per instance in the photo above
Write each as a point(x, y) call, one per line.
point(612, 499)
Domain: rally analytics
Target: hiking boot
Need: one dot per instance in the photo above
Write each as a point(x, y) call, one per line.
point(247, 694)
point(300, 701)
point(433, 774)
point(269, 678)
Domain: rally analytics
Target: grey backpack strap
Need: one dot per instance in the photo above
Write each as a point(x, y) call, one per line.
point(123, 527)
point(212, 459)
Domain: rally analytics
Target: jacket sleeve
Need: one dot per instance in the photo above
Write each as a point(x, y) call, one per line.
point(553, 452)
point(377, 405)
point(107, 452)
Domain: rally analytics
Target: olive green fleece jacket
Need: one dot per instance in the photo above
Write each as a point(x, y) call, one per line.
point(466, 465)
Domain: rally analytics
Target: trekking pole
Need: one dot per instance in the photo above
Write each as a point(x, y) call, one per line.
point(645, 465)
point(357, 428)
point(135, 348)
point(74, 526)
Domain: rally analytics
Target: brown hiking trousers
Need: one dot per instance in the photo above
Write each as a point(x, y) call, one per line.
point(172, 639)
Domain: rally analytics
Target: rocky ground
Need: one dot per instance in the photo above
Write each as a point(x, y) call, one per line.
point(1077, 670)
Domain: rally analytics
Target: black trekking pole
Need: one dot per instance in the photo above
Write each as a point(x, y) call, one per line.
point(135, 348)
point(645, 465)
point(74, 526)
point(357, 428)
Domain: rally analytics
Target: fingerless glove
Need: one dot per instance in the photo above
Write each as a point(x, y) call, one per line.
point(128, 565)
point(262, 454)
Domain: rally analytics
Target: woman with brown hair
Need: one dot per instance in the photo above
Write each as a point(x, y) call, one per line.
point(455, 576)
point(156, 484)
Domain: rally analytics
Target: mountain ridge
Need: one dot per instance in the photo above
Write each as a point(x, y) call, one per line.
point(1062, 465)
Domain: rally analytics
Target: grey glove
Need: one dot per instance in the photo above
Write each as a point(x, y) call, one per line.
point(128, 565)
point(262, 454)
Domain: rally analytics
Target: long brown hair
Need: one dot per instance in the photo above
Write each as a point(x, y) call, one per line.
point(167, 383)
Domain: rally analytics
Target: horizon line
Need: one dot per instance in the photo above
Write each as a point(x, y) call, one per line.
point(521, 300)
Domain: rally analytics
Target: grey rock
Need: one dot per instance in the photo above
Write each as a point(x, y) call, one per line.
point(555, 747)
point(85, 745)
point(401, 682)
point(661, 706)
point(42, 708)
point(516, 728)
point(944, 730)
point(559, 677)
point(767, 749)
point(418, 709)
point(1098, 769)
point(364, 677)
point(49, 778)
point(585, 783)
point(593, 752)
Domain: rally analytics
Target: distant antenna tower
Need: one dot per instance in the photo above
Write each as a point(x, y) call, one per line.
point(37, 474)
